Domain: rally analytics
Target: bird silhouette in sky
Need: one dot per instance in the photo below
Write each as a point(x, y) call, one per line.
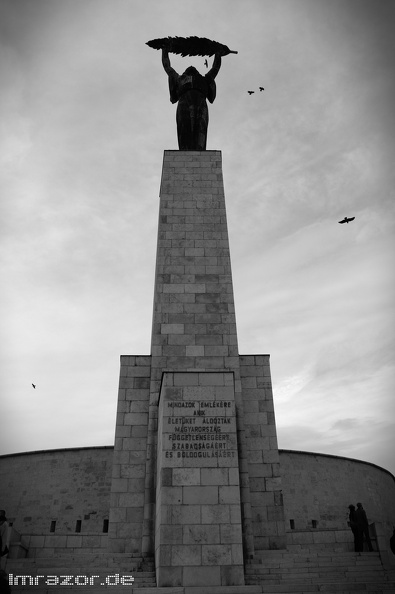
point(346, 220)
point(261, 88)
point(34, 386)
point(250, 92)
point(206, 63)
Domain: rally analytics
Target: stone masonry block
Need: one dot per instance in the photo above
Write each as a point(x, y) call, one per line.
point(232, 575)
point(139, 371)
point(211, 379)
point(186, 555)
point(184, 514)
point(195, 351)
point(136, 419)
point(172, 329)
point(186, 477)
point(235, 514)
point(200, 534)
point(138, 406)
point(234, 477)
point(166, 477)
point(200, 495)
point(260, 470)
point(119, 485)
point(214, 514)
point(171, 495)
point(186, 379)
point(170, 534)
point(202, 576)
point(137, 431)
point(169, 577)
point(132, 471)
point(215, 476)
point(230, 533)
point(237, 554)
point(229, 494)
point(216, 554)
point(131, 499)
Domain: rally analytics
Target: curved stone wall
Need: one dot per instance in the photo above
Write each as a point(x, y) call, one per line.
point(320, 487)
point(38, 489)
point(71, 485)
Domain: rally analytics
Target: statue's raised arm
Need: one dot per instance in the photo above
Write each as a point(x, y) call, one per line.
point(191, 89)
point(166, 61)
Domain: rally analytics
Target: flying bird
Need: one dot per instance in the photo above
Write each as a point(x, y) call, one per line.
point(34, 386)
point(206, 63)
point(261, 88)
point(346, 220)
point(250, 92)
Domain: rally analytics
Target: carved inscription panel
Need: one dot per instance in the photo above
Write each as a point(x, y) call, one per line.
point(198, 425)
point(201, 429)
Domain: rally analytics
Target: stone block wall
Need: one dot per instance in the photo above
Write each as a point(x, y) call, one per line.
point(58, 499)
point(129, 471)
point(263, 457)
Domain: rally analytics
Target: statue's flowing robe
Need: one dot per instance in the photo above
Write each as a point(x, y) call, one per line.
point(191, 90)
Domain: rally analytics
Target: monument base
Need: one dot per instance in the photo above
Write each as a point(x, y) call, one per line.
point(198, 538)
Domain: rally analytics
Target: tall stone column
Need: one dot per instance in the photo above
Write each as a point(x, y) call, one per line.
point(194, 325)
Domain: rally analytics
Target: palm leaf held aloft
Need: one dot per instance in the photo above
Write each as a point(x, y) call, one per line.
point(190, 46)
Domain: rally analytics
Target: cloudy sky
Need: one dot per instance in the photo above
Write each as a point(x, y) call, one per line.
point(84, 119)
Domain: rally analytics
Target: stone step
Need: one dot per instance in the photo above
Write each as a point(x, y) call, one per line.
point(346, 573)
point(73, 563)
point(337, 588)
point(261, 570)
point(101, 559)
point(169, 590)
point(280, 556)
point(33, 568)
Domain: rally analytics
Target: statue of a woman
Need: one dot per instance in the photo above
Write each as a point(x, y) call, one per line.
point(191, 90)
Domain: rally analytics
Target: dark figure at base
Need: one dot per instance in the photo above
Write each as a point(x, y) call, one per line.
point(362, 521)
point(392, 542)
point(356, 530)
point(191, 90)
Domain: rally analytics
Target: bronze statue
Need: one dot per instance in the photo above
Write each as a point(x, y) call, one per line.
point(191, 89)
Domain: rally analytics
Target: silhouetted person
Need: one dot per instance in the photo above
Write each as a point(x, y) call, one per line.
point(362, 521)
point(356, 530)
point(4, 584)
point(3, 538)
point(392, 542)
point(191, 89)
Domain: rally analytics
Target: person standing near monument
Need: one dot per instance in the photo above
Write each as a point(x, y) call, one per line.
point(356, 530)
point(3, 538)
point(363, 524)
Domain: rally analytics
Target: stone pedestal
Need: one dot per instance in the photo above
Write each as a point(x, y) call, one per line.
point(199, 501)
point(198, 536)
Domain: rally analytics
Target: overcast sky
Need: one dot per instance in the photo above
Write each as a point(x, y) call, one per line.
point(84, 119)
